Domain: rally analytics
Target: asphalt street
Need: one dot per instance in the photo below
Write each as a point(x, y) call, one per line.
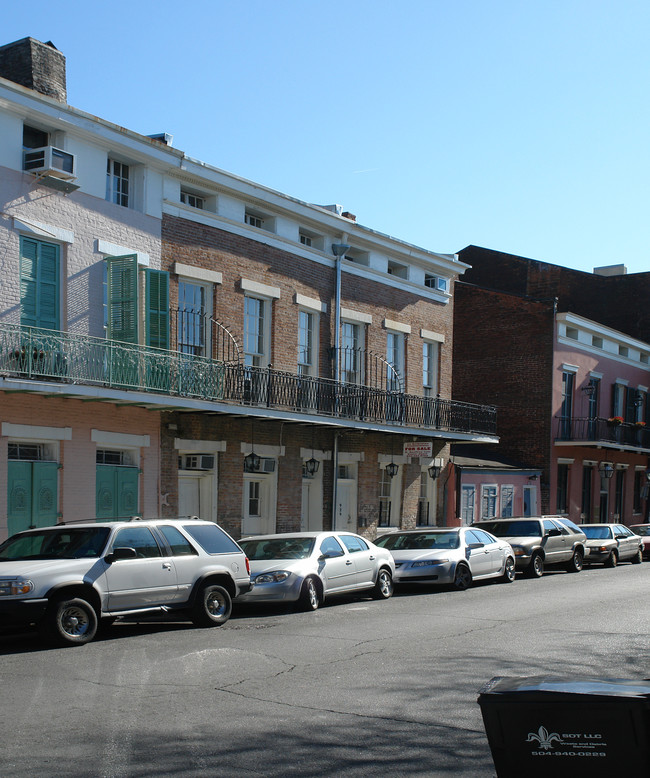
point(358, 688)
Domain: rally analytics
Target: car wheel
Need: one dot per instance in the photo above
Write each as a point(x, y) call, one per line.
point(384, 586)
point(212, 607)
point(309, 599)
point(70, 622)
point(637, 558)
point(535, 568)
point(612, 560)
point(509, 571)
point(462, 577)
point(574, 565)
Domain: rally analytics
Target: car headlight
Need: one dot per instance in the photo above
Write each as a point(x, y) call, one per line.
point(519, 550)
point(22, 586)
point(277, 576)
point(427, 562)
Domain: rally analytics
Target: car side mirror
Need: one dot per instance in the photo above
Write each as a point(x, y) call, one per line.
point(553, 533)
point(475, 545)
point(122, 552)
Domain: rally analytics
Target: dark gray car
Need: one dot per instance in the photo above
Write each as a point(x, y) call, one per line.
point(540, 541)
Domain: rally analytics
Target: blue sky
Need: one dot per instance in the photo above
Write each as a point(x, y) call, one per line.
point(519, 125)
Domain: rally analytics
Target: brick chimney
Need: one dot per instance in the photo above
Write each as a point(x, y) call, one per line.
point(36, 65)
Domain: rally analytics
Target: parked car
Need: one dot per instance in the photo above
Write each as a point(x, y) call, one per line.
point(643, 531)
point(611, 544)
point(540, 541)
point(449, 555)
point(66, 578)
point(309, 567)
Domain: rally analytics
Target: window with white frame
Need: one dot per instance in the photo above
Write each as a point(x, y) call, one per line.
point(193, 200)
point(397, 269)
point(395, 358)
point(192, 317)
point(351, 348)
point(307, 347)
point(488, 501)
point(257, 312)
point(435, 282)
point(385, 504)
point(430, 356)
point(117, 182)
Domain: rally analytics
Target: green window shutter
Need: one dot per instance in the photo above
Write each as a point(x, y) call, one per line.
point(157, 308)
point(105, 492)
point(122, 298)
point(44, 493)
point(39, 284)
point(19, 496)
point(127, 492)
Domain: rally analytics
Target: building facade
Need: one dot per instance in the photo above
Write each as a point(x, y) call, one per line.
point(571, 391)
point(175, 340)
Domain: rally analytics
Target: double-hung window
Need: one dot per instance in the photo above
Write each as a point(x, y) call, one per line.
point(395, 358)
point(192, 316)
point(306, 343)
point(117, 182)
point(430, 368)
point(351, 348)
point(39, 284)
point(256, 331)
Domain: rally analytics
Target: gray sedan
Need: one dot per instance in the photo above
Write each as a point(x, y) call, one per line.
point(307, 567)
point(612, 543)
point(449, 555)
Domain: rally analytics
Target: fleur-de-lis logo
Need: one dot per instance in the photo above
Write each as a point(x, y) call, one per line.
point(543, 737)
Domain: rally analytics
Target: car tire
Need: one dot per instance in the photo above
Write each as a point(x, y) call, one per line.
point(309, 597)
point(384, 586)
point(612, 560)
point(508, 571)
point(535, 567)
point(574, 565)
point(462, 577)
point(70, 622)
point(637, 558)
point(212, 607)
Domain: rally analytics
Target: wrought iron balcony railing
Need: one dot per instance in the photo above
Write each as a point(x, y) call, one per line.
point(598, 430)
point(57, 356)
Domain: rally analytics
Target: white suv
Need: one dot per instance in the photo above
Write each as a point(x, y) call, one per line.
point(67, 577)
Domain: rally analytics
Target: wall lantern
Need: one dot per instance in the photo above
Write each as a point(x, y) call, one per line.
point(252, 461)
point(638, 400)
point(391, 469)
point(647, 475)
point(434, 471)
point(312, 465)
point(589, 389)
point(606, 469)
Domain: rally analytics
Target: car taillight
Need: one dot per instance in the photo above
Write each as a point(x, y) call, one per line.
point(248, 566)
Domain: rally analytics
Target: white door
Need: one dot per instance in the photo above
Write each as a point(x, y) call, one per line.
point(257, 515)
point(346, 509)
point(189, 496)
point(311, 515)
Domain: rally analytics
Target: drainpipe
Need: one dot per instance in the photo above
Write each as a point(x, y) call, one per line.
point(335, 461)
point(338, 249)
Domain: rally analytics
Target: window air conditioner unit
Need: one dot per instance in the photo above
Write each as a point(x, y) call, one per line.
point(197, 462)
point(51, 161)
point(268, 466)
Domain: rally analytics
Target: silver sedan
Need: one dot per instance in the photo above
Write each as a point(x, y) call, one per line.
point(307, 567)
point(453, 556)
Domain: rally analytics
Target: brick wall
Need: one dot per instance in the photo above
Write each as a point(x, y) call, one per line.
point(36, 65)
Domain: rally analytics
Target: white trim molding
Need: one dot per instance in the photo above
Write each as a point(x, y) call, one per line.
point(263, 451)
point(349, 315)
point(29, 432)
point(200, 446)
point(115, 250)
point(43, 230)
point(311, 303)
point(397, 326)
point(104, 438)
point(430, 335)
point(197, 273)
point(254, 287)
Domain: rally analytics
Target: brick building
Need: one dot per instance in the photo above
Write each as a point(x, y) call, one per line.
point(175, 339)
point(541, 343)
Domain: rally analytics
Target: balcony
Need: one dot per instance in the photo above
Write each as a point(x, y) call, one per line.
point(58, 357)
point(602, 432)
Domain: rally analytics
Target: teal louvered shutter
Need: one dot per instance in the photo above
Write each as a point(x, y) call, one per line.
point(127, 492)
point(122, 298)
point(157, 308)
point(19, 496)
point(44, 493)
point(39, 284)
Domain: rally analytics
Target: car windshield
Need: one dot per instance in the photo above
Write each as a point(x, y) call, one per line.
point(597, 533)
point(64, 543)
point(415, 540)
point(278, 548)
point(645, 530)
point(512, 529)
